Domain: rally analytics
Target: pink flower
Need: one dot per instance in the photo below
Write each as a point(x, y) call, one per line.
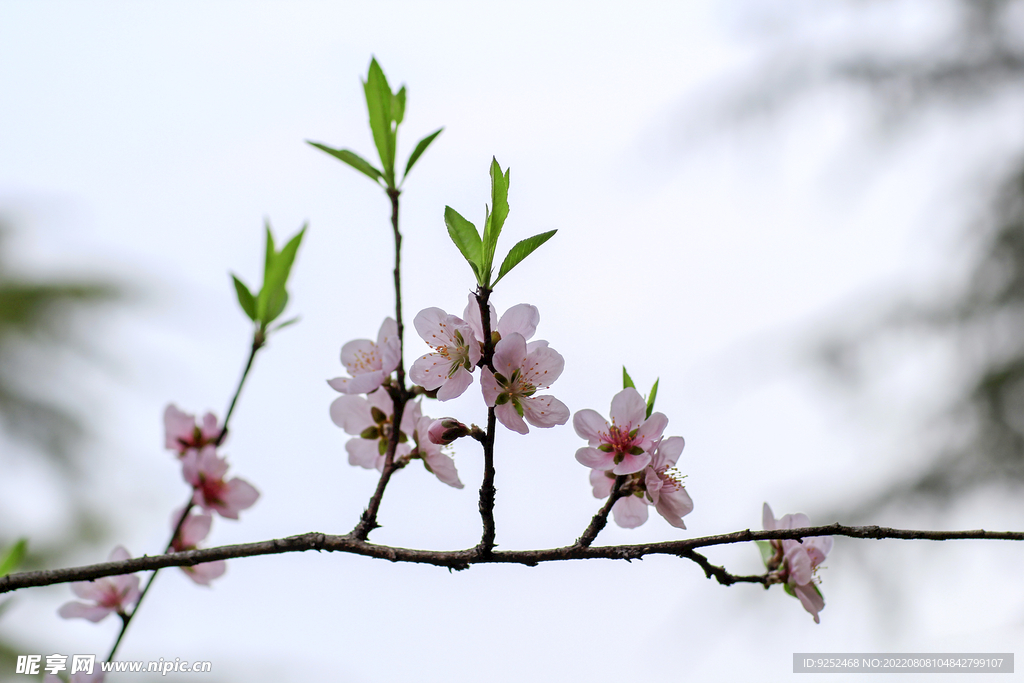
point(623, 446)
point(521, 318)
point(519, 372)
point(456, 352)
point(370, 420)
point(111, 594)
point(446, 430)
point(182, 433)
point(193, 530)
point(369, 363)
point(658, 484)
point(795, 562)
point(434, 459)
point(205, 471)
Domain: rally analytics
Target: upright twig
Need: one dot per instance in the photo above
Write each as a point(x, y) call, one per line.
point(487, 490)
point(398, 391)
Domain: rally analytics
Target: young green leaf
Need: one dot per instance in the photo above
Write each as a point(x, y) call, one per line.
point(276, 303)
point(245, 298)
point(498, 212)
point(651, 397)
point(352, 159)
point(378, 104)
point(627, 381)
point(13, 557)
point(521, 250)
point(466, 238)
point(286, 323)
point(268, 259)
point(421, 147)
point(398, 106)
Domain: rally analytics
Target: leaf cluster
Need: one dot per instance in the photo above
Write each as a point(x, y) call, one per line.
point(479, 250)
point(386, 110)
point(266, 306)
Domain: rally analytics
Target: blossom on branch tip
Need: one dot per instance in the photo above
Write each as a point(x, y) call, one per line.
point(194, 529)
point(520, 370)
point(371, 419)
point(182, 433)
point(450, 368)
point(625, 445)
point(111, 594)
point(369, 363)
point(794, 562)
point(205, 471)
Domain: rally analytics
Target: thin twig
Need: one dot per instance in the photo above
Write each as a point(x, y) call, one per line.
point(601, 518)
point(258, 340)
point(487, 490)
point(462, 559)
point(399, 394)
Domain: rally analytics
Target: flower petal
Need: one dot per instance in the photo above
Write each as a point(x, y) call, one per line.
point(455, 385)
point(509, 354)
point(601, 483)
point(508, 416)
point(767, 518)
point(811, 599)
point(673, 505)
point(520, 319)
point(595, 459)
point(489, 387)
point(351, 413)
point(204, 573)
point(360, 384)
point(545, 411)
point(632, 463)
point(443, 468)
point(629, 512)
point(79, 610)
point(430, 371)
point(628, 409)
point(363, 453)
point(590, 425)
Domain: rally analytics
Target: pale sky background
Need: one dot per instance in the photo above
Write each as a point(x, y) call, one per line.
point(148, 142)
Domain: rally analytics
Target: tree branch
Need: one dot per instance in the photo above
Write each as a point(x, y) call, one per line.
point(463, 559)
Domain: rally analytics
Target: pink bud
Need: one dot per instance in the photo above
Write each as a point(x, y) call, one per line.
point(446, 430)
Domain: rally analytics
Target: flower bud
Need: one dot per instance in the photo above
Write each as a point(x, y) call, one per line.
point(446, 430)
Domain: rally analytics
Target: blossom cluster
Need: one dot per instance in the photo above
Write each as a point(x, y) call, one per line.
point(793, 563)
point(367, 410)
point(195, 444)
point(632, 447)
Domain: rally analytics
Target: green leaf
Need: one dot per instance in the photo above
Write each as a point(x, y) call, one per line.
point(13, 557)
point(352, 159)
point(522, 249)
point(245, 298)
point(268, 259)
point(466, 238)
point(499, 211)
point(276, 277)
point(398, 106)
point(275, 305)
point(767, 552)
point(652, 396)
point(378, 104)
point(421, 147)
point(627, 381)
point(789, 589)
point(286, 323)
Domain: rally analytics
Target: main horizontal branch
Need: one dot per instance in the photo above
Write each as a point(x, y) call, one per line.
point(462, 559)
